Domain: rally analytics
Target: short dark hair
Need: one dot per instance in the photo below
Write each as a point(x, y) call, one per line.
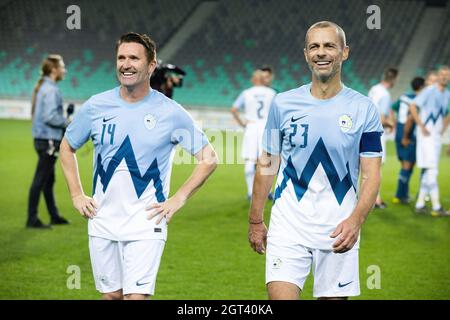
point(390, 74)
point(266, 67)
point(145, 40)
point(417, 83)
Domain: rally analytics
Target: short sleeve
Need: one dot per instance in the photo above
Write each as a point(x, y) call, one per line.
point(370, 143)
point(271, 142)
point(186, 133)
point(79, 130)
point(239, 102)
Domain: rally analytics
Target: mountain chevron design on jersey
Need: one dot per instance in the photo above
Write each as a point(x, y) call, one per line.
point(433, 118)
point(140, 183)
point(319, 155)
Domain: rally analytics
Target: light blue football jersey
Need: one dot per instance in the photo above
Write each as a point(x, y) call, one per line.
point(320, 143)
point(433, 105)
point(133, 151)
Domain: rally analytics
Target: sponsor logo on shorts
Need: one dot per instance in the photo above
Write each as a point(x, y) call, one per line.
point(103, 279)
point(276, 263)
point(157, 230)
point(142, 283)
point(341, 285)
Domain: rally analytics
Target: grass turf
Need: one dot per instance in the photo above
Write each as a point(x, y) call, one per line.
point(207, 255)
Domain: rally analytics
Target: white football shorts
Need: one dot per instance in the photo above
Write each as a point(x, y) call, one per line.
point(428, 150)
point(128, 265)
point(335, 274)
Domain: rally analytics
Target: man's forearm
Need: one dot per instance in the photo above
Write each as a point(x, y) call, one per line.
point(446, 122)
point(415, 115)
point(261, 187)
point(407, 128)
point(385, 122)
point(370, 183)
point(201, 172)
point(70, 168)
point(236, 116)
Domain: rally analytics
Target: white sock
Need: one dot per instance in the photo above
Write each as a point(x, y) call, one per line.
point(423, 192)
point(435, 199)
point(249, 176)
point(421, 198)
point(434, 188)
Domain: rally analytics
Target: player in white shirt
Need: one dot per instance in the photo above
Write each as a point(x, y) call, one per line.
point(267, 75)
point(433, 104)
point(134, 130)
point(317, 138)
point(381, 97)
point(254, 103)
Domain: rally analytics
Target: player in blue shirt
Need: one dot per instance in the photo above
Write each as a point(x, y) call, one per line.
point(134, 130)
point(405, 140)
point(317, 137)
point(433, 104)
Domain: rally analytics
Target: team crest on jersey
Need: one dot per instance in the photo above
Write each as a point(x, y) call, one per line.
point(345, 123)
point(149, 121)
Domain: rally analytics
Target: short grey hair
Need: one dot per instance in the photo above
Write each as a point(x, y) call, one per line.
point(328, 24)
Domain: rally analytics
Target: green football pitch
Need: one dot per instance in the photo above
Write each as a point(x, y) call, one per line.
point(207, 255)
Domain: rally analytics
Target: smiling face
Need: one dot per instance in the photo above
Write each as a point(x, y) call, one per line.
point(325, 50)
point(132, 66)
point(443, 76)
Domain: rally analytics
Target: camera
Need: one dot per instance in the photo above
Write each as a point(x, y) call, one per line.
point(70, 109)
point(166, 77)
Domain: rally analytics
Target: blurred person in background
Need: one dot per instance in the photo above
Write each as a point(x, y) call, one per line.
point(254, 102)
point(267, 76)
point(380, 96)
point(405, 140)
point(47, 129)
point(431, 78)
point(429, 110)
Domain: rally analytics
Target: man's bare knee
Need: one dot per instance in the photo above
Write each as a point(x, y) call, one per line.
point(116, 295)
point(280, 290)
point(136, 296)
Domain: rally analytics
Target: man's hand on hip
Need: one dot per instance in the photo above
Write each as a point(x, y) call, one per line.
point(348, 232)
point(165, 209)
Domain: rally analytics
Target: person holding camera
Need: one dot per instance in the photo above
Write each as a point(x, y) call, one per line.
point(166, 77)
point(48, 126)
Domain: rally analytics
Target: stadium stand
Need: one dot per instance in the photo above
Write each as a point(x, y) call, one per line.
point(32, 29)
point(439, 52)
point(242, 35)
point(219, 58)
